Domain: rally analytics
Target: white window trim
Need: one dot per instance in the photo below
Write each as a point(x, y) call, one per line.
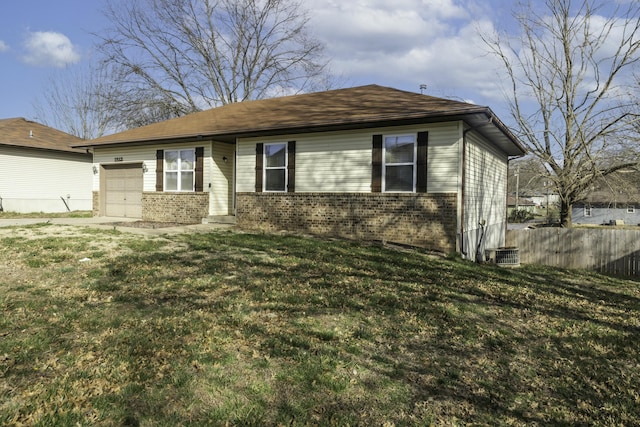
point(587, 211)
point(179, 171)
point(631, 209)
point(413, 164)
point(265, 167)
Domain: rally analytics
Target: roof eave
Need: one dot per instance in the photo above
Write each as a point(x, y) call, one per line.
point(72, 150)
point(469, 115)
point(505, 139)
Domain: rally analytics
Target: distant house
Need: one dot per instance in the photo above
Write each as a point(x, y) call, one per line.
point(616, 202)
point(524, 204)
point(40, 171)
point(542, 200)
point(606, 213)
point(369, 162)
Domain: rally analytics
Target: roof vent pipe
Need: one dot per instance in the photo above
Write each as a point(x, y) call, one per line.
point(30, 134)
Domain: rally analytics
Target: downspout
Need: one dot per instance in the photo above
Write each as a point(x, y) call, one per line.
point(462, 189)
point(65, 203)
point(463, 250)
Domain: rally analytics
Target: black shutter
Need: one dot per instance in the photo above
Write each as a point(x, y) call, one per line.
point(421, 164)
point(291, 166)
point(376, 165)
point(159, 170)
point(199, 184)
point(259, 172)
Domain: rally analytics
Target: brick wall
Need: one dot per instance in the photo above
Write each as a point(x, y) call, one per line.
point(96, 203)
point(424, 220)
point(175, 207)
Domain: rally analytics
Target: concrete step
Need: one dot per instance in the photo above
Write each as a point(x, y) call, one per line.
point(219, 219)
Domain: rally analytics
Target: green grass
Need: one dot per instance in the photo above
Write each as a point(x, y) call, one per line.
point(210, 329)
point(72, 214)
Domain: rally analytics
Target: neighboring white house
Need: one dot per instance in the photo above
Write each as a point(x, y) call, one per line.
point(546, 200)
point(369, 162)
point(40, 171)
point(611, 201)
point(606, 213)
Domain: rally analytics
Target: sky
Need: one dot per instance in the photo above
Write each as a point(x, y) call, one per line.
point(398, 43)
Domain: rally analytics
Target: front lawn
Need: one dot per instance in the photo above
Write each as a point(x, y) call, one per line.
point(71, 214)
point(109, 328)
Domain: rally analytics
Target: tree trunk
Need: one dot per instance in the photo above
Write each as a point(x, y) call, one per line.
point(565, 213)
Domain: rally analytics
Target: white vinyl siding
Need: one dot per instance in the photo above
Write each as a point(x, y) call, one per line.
point(341, 161)
point(147, 155)
point(325, 162)
point(443, 158)
point(485, 195)
point(35, 180)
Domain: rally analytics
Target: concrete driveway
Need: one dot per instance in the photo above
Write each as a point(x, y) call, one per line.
point(110, 223)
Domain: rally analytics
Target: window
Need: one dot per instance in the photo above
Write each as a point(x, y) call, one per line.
point(587, 211)
point(399, 163)
point(275, 167)
point(631, 209)
point(179, 173)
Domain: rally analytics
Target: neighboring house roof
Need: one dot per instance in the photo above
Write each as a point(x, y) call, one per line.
point(511, 201)
point(609, 203)
point(603, 197)
point(620, 189)
point(19, 132)
point(341, 109)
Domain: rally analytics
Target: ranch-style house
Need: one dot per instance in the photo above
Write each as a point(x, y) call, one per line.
point(369, 162)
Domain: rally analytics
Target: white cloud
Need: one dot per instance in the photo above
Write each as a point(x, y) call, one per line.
point(3, 46)
point(47, 48)
point(406, 43)
point(364, 27)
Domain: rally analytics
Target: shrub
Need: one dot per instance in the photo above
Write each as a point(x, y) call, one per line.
point(520, 215)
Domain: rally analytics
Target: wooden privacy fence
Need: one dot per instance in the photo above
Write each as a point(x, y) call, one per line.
point(607, 250)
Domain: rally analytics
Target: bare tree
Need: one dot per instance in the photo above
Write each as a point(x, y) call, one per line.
point(74, 101)
point(530, 177)
point(571, 90)
point(174, 57)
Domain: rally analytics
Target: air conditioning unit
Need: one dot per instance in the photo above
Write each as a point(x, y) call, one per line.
point(504, 257)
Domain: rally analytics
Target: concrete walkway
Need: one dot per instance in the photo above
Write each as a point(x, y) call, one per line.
point(110, 223)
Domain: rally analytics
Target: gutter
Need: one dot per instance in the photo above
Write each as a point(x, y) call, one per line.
point(70, 150)
point(463, 190)
point(295, 128)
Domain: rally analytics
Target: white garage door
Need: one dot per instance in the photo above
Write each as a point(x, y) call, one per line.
point(123, 190)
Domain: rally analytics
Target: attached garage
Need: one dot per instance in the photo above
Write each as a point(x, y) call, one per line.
point(122, 186)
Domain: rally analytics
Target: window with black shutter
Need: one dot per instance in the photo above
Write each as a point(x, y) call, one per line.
point(275, 167)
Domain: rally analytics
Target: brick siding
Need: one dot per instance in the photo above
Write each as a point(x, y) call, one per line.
point(96, 203)
point(423, 220)
point(187, 208)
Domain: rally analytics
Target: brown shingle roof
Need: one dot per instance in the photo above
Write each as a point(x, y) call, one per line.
point(522, 201)
point(358, 107)
point(20, 132)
